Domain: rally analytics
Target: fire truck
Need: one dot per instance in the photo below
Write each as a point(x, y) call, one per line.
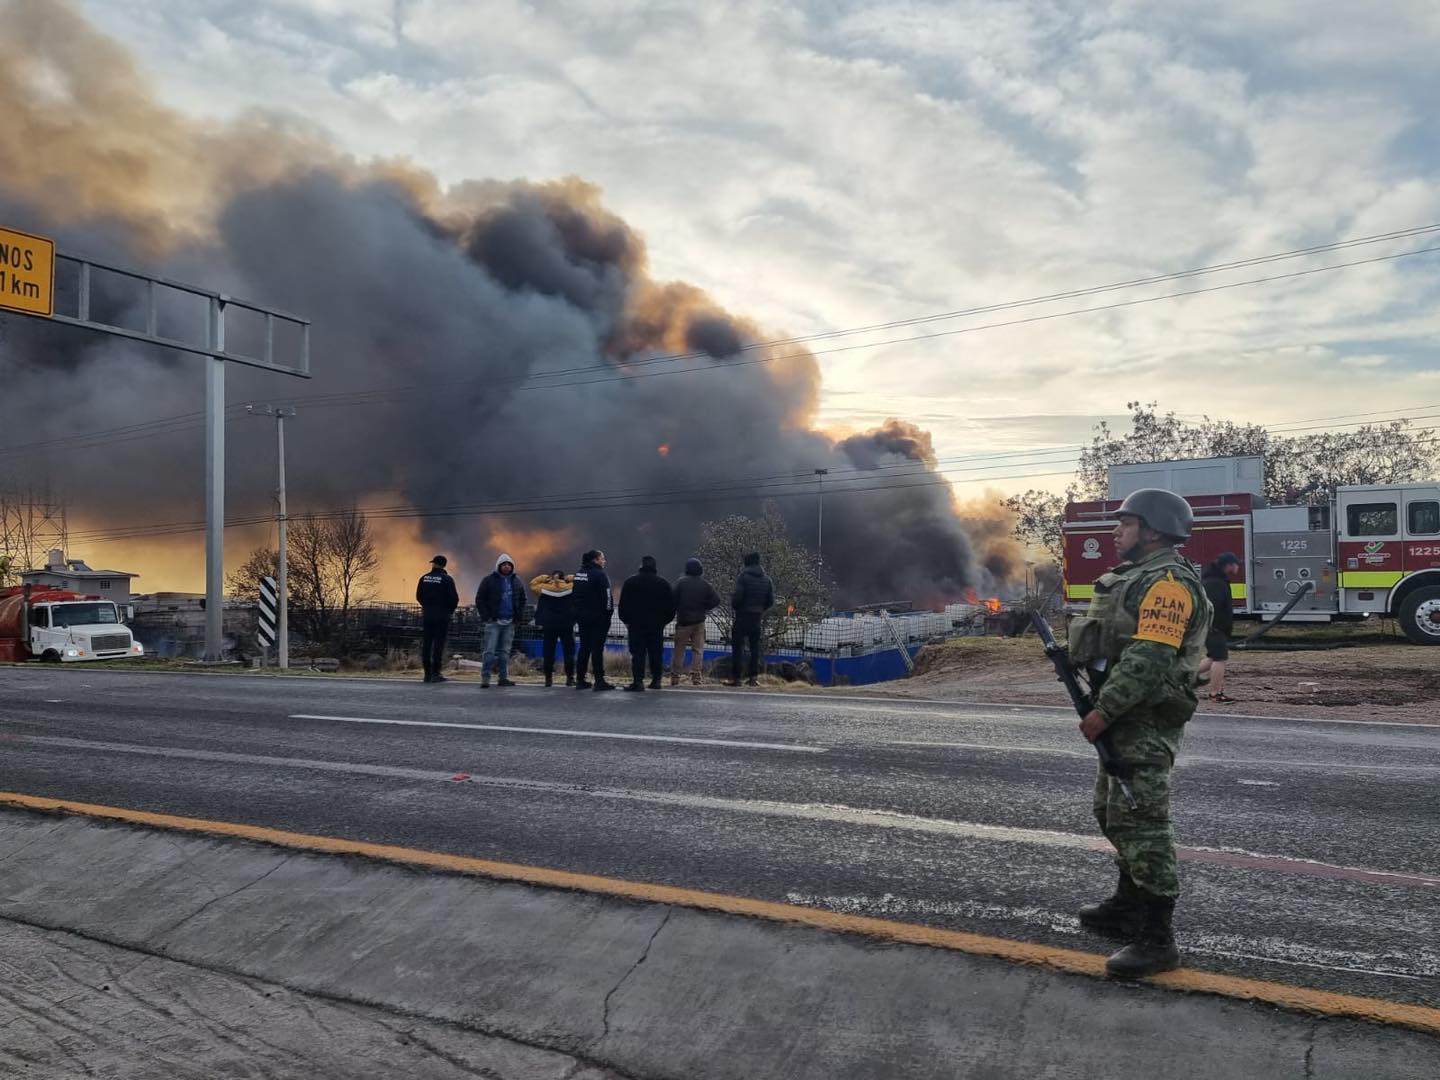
point(1371, 550)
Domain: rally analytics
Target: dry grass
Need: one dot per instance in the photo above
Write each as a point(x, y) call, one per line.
point(974, 654)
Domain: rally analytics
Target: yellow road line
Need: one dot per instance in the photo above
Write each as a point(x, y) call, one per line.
point(1297, 998)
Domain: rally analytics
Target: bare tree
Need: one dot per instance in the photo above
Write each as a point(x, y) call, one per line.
point(332, 559)
point(308, 559)
point(353, 563)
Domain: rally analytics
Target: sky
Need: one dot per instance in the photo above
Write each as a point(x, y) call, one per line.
point(825, 166)
point(820, 166)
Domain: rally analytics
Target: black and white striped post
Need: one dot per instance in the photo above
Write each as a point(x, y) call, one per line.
point(266, 630)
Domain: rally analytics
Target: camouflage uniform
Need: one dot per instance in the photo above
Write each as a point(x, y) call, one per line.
point(1147, 623)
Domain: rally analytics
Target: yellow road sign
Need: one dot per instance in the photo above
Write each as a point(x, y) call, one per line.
point(27, 273)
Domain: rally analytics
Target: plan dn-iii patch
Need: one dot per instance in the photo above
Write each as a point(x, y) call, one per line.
point(1165, 613)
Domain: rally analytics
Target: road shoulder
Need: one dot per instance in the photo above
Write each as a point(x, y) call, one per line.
point(645, 988)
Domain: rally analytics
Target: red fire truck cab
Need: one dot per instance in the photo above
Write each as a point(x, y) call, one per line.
point(1373, 549)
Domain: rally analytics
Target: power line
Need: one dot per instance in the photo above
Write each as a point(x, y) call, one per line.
point(950, 467)
point(561, 377)
point(582, 501)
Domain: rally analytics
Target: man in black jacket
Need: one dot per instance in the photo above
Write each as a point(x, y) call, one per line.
point(695, 598)
point(438, 598)
point(754, 595)
point(500, 603)
point(1216, 581)
point(646, 605)
point(594, 604)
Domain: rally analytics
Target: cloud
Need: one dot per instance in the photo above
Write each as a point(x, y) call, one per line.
point(823, 167)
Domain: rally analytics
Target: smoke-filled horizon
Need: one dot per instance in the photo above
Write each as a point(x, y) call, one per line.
point(461, 296)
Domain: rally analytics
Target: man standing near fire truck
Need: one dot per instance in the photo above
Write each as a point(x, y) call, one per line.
point(1142, 641)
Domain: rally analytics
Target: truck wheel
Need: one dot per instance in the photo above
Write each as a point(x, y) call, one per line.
point(50, 656)
point(1420, 616)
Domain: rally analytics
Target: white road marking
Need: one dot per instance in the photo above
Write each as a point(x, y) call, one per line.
point(1268, 951)
point(1329, 766)
point(1184, 760)
point(853, 702)
point(1231, 858)
point(1258, 783)
point(736, 743)
point(1304, 963)
point(995, 746)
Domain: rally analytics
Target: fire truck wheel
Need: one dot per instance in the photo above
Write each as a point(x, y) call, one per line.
point(1420, 616)
point(50, 657)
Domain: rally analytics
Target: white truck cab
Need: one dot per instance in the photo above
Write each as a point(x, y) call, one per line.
point(74, 630)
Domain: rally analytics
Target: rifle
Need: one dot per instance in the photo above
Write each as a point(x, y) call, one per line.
point(1082, 695)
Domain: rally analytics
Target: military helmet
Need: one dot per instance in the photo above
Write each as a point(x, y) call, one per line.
point(1161, 510)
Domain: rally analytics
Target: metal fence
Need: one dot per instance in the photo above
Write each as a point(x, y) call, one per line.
point(869, 645)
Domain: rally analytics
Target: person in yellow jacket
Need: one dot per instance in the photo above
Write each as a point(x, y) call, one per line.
point(555, 615)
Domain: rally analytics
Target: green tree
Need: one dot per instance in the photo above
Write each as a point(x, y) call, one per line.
point(801, 593)
point(1302, 468)
point(244, 583)
point(1038, 517)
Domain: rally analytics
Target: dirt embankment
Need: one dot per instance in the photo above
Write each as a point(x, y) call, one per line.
point(1383, 680)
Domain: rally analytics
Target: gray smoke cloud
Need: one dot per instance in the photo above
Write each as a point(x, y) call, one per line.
point(453, 304)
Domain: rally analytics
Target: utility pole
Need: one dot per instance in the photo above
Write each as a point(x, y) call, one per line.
point(214, 485)
point(820, 475)
point(282, 574)
point(37, 300)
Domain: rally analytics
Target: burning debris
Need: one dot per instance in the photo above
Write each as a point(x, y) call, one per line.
point(473, 347)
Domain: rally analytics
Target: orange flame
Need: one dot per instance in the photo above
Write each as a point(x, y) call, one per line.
point(663, 449)
point(788, 611)
point(971, 597)
point(993, 605)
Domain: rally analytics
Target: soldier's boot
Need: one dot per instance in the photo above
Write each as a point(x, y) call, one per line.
point(550, 677)
point(1117, 917)
point(1153, 949)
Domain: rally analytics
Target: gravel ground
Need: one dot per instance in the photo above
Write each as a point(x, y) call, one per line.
point(1384, 680)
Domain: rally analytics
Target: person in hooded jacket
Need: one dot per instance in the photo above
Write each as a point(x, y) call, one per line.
point(500, 602)
point(695, 598)
point(593, 603)
point(754, 594)
point(438, 598)
point(646, 605)
point(555, 615)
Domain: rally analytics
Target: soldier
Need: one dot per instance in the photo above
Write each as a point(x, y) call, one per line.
point(1145, 632)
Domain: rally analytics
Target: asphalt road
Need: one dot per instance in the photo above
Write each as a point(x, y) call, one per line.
point(1310, 848)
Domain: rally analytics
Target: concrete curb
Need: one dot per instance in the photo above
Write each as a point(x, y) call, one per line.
point(644, 988)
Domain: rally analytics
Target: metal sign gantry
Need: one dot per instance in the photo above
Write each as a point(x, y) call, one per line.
point(35, 264)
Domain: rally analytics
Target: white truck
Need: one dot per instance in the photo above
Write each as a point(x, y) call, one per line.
point(64, 627)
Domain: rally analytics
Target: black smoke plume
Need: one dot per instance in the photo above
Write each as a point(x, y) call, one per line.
point(454, 304)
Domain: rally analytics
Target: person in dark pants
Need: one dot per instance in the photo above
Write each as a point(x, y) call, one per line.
point(593, 603)
point(1216, 581)
point(438, 598)
point(754, 595)
point(555, 615)
point(646, 605)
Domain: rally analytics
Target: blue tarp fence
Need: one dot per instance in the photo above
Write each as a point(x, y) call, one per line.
point(881, 665)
